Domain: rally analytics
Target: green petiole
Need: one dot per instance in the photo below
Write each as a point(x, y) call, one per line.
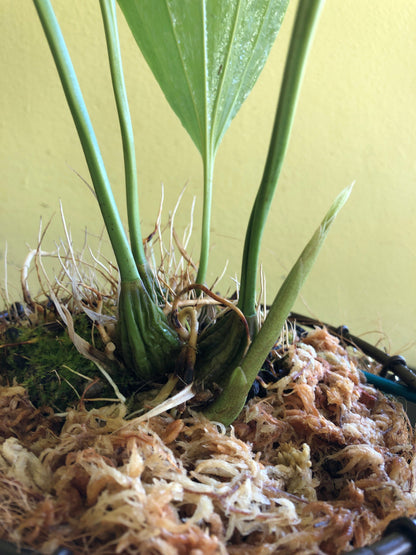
point(101, 183)
point(208, 161)
point(108, 11)
point(305, 24)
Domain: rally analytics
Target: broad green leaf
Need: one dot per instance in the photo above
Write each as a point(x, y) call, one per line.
point(206, 55)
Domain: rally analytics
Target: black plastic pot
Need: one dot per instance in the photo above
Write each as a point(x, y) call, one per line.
point(7, 548)
point(398, 539)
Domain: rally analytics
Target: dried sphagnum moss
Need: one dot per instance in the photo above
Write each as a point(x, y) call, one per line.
point(319, 466)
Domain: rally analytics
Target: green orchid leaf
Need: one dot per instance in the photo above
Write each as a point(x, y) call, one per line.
point(205, 54)
point(230, 403)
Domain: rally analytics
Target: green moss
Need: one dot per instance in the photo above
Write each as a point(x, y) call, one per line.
point(44, 360)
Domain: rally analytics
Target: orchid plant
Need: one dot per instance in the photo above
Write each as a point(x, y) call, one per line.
point(206, 56)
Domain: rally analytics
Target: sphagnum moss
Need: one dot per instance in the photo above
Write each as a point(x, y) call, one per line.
point(43, 359)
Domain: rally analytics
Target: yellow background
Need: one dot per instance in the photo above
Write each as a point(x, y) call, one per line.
point(356, 121)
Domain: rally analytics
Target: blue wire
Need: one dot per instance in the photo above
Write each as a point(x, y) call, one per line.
point(391, 387)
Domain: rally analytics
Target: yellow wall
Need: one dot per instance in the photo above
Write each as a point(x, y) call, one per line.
point(356, 121)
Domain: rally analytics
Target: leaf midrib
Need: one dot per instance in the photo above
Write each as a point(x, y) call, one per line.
point(194, 104)
point(248, 64)
point(224, 72)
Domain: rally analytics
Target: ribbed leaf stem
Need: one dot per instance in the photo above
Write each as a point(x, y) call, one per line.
point(108, 11)
point(206, 216)
point(306, 20)
point(114, 226)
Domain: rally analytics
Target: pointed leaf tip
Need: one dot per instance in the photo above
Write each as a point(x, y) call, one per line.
point(206, 55)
